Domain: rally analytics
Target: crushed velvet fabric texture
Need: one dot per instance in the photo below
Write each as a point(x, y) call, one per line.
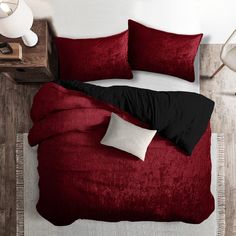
point(79, 178)
point(162, 52)
point(94, 58)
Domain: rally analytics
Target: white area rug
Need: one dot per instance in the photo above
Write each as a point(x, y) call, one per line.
point(30, 223)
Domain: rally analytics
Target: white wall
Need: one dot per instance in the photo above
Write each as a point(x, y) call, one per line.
point(91, 18)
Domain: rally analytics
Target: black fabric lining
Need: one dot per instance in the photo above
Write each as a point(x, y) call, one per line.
point(182, 117)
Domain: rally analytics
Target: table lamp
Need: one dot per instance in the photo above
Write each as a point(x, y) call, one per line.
point(16, 20)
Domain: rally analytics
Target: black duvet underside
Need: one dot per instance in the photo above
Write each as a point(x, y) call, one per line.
point(182, 117)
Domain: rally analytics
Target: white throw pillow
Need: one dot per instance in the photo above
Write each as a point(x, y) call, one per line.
point(128, 137)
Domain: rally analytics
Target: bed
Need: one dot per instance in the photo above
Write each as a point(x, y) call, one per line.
point(67, 117)
point(80, 177)
point(138, 228)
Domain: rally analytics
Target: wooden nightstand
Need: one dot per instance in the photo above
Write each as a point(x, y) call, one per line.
point(39, 63)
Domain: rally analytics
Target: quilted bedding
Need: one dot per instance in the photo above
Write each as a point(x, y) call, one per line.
point(82, 179)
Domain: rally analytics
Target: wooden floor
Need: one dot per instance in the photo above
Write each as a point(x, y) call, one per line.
point(222, 90)
point(15, 102)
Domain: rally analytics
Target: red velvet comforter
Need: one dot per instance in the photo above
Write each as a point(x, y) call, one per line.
point(80, 178)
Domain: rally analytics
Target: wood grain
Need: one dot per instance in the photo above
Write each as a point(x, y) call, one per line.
point(222, 90)
point(2, 189)
point(39, 63)
point(15, 103)
point(32, 57)
point(230, 179)
point(10, 124)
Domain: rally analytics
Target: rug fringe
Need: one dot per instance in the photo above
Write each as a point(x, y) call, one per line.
point(220, 186)
point(19, 185)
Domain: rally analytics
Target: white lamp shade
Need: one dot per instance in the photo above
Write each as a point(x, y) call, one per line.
point(17, 24)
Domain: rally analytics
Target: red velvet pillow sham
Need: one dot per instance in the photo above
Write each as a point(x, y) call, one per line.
point(162, 52)
point(95, 58)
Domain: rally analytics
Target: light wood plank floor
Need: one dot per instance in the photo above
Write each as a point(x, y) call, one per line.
point(222, 90)
point(15, 102)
